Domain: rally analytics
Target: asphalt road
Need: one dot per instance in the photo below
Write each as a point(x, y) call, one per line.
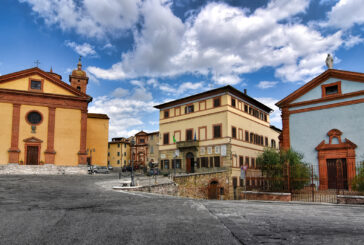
point(76, 210)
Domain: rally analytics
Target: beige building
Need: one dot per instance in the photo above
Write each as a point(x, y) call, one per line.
point(119, 152)
point(219, 129)
point(153, 147)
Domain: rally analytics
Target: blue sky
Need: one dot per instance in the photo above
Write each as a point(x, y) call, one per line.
point(142, 53)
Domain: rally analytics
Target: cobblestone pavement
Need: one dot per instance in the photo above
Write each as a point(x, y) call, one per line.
point(80, 210)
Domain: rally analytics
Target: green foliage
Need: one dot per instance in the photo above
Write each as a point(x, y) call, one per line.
point(358, 181)
point(280, 166)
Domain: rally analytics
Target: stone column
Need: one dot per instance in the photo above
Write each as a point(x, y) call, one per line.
point(14, 146)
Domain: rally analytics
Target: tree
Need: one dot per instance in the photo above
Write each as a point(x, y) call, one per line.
point(280, 166)
point(358, 181)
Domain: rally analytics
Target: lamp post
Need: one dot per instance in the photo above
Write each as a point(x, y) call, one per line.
point(132, 162)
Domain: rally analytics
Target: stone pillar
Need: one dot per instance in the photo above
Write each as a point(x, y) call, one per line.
point(14, 146)
point(50, 152)
point(322, 171)
point(82, 154)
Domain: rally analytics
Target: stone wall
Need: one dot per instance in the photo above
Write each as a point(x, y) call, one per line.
point(197, 185)
point(46, 169)
point(343, 199)
point(163, 189)
point(266, 196)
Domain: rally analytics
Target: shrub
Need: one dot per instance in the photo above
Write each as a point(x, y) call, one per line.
point(358, 181)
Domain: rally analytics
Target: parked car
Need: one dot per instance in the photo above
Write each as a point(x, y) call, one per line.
point(101, 170)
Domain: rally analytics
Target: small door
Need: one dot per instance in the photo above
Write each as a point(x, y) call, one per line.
point(32, 155)
point(213, 190)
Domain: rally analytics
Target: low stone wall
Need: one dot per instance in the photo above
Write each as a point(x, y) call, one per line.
point(163, 189)
point(344, 199)
point(46, 169)
point(266, 196)
point(197, 185)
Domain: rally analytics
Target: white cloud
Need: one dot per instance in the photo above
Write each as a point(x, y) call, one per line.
point(345, 14)
point(266, 84)
point(120, 92)
point(351, 41)
point(177, 89)
point(84, 49)
point(125, 113)
point(275, 116)
point(224, 41)
point(90, 18)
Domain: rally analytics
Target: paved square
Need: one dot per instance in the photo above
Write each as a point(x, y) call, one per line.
point(78, 210)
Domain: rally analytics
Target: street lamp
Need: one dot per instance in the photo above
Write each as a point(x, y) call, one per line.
point(132, 162)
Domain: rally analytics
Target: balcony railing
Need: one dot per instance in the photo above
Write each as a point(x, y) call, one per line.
point(187, 144)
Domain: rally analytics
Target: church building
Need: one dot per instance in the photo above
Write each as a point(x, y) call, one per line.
point(324, 120)
point(44, 121)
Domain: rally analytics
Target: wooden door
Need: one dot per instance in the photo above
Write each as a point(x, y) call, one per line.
point(32, 155)
point(188, 165)
point(212, 191)
point(337, 174)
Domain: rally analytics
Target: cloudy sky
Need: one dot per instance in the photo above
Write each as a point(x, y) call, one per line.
point(139, 53)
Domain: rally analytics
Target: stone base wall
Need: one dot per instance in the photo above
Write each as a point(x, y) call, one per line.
point(163, 189)
point(197, 185)
point(266, 196)
point(46, 169)
point(342, 199)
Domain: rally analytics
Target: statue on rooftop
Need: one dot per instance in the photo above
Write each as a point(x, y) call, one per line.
point(329, 61)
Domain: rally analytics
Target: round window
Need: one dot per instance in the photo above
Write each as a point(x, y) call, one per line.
point(34, 117)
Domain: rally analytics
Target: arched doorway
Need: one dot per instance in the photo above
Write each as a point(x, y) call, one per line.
point(190, 163)
point(213, 190)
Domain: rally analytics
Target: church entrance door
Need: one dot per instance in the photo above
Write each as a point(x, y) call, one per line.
point(32, 155)
point(337, 174)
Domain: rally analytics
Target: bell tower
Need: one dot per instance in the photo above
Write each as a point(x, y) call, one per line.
point(78, 78)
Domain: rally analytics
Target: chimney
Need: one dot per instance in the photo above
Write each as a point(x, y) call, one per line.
point(244, 90)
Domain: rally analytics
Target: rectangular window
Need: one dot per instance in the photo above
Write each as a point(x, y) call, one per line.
point(178, 163)
point(265, 117)
point(118, 153)
point(211, 162)
point(151, 150)
point(37, 85)
point(125, 145)
point(124, 162)
point(253, 162)
point(247, 161)
point(332, 90)
point(217, 102)
point(204, 162)
point(246, 108)
point(266, 141)
point(217, 162)
point(233, 102)
point(118, 161)
point(189, 134)
point(142, 141)
point(241, 161)
point(166, 164)
point(217, 131)
point(233, 132)
point(273, 143)
point(166, 114)
point(247, 136)
point(166, 139)
point(118, 145)
point(251, 137)
point(108, 153)
point(161, 164)
point(189, 109)
point(124, 153)
point(198, 163)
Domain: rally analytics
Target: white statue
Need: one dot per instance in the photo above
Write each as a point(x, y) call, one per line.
point(329, 61)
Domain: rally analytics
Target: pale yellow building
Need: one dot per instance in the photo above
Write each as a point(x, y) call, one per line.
point(219, 129)
point(45, 121)
point(153, 147)
point(119, 152)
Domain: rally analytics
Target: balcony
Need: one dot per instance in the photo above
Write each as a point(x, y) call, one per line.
point(187, 144)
